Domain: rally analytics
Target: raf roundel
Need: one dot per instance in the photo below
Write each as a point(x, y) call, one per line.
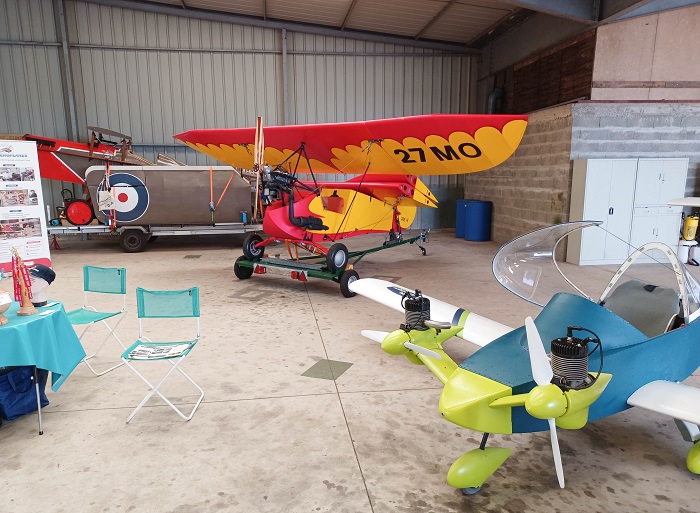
point(130, 197)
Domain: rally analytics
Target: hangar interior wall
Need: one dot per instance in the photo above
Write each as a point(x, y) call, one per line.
point(530, 190)
point(654, 57)
point(152, 75)
point(644, 89)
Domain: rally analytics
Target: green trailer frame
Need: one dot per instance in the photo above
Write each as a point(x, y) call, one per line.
point(315, 266)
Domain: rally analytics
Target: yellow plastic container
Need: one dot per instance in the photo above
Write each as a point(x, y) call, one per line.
point(690, 227)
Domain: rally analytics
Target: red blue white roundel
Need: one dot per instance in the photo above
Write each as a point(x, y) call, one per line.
point(130, 197)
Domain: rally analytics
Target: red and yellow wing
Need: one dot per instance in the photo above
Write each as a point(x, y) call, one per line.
point(436, 144)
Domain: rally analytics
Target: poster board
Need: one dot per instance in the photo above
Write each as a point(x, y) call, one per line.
point(22, 219)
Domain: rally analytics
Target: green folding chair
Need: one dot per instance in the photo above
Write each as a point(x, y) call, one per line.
point(164, 304)
point(100, 280)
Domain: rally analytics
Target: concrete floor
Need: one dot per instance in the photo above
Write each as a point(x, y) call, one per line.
point(268, 439)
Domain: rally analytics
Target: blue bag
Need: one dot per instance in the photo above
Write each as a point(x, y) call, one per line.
point(18, 394)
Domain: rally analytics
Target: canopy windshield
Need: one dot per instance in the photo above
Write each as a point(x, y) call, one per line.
point(527, 267)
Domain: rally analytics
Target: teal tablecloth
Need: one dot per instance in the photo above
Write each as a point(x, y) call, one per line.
point(47, 341)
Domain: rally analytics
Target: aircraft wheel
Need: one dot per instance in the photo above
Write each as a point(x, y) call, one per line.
point(79, 212)
point(337, 257)
point(133, 241)
point(345, 280)
point(470, 491)
point(249, 249)
point(242, 273)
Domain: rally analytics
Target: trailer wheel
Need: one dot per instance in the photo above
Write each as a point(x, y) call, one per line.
point(242, 273)
point(337, 257)
point(249, 249)
point(79, 212)
point(345, 280)
point(133, 241)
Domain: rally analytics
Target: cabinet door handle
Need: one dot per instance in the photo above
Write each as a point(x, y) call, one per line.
point(611, 210)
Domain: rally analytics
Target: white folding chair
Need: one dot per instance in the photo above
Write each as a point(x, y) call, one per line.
point(164, 304)
point(100, 280)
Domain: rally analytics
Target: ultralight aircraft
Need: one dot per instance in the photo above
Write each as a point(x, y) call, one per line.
point(384, 158)
point(631, 346)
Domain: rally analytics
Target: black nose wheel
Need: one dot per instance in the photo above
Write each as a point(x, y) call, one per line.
point(249, 249)
point(337, 257)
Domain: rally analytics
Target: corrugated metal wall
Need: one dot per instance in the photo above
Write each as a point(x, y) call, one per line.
point(154, 75)
point(30, 72)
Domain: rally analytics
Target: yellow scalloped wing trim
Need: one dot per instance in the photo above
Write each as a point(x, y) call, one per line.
point(459, 154)
point(241, 156)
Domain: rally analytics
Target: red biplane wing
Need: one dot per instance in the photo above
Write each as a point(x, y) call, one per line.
point(436, 144)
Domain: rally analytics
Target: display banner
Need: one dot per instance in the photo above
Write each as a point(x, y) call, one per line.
point(22, 218)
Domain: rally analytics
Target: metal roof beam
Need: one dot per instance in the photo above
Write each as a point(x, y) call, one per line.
point(613, 9)
point(629, 9)
point(306, 28)
point(347, 14)
point(435, 18)
point(583, 11)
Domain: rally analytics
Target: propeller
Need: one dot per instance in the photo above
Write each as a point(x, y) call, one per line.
point(375, 335)
point(547, 397)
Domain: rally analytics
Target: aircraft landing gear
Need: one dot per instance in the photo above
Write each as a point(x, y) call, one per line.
point(472, 469)
point(337, 257)
point(249, 249)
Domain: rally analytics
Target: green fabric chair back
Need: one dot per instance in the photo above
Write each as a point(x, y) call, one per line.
point(167, 303)
point(106, 280)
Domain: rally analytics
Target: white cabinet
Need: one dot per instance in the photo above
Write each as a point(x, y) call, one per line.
point(629, 196)
point(660, 180)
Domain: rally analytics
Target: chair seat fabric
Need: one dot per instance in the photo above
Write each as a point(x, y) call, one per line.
point(87, 316)
point(143, 350)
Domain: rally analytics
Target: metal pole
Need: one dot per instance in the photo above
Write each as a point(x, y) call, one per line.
point(285, 84)
point(38, 400)
point(67, 76)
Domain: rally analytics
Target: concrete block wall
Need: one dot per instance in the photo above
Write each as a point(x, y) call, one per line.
point(531, 189)
point(621, 130)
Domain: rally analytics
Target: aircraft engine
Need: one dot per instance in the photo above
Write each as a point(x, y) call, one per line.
point(569, 359)
point(417, 309)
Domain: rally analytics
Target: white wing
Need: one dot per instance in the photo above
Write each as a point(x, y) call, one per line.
point(477, 329)
point(676, 400)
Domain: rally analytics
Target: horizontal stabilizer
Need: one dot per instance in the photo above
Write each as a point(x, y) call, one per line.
point(676, 400)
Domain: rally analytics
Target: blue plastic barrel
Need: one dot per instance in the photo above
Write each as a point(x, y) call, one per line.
point(461, 218)
point(478, 220)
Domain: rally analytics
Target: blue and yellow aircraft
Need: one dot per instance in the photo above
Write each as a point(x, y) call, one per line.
point(630, 347)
